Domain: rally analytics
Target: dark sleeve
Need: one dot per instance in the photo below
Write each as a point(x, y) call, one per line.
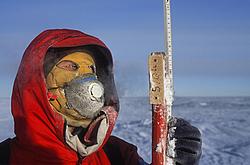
point(5, 152)
point(121, 152)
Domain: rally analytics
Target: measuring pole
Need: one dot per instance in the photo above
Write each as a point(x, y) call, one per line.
point(161, 93)
point(169, 50)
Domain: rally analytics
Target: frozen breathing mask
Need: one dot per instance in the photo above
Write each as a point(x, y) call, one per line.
point(85, 94)
point(74, 90)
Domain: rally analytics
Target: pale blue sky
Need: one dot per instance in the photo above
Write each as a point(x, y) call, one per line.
point(211, 40)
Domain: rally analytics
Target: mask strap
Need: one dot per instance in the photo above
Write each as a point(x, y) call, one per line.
point(72, 118)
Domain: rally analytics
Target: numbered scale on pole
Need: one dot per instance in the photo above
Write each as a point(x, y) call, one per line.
point(161, 93)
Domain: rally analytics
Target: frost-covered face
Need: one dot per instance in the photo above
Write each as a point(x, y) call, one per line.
point(75, 90)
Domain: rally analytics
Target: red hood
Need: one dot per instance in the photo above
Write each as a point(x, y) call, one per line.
point(39, 129)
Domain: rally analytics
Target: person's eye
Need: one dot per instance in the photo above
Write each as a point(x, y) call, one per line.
point(68, 65)
point(93, 68)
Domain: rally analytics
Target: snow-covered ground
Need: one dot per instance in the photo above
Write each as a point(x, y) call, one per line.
point(6, 120)
point(223, 121)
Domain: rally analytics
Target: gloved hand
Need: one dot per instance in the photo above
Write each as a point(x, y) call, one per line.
point(185, 141)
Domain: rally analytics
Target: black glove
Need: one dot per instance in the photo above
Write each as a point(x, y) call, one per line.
point(5, 151)
point(187, 142)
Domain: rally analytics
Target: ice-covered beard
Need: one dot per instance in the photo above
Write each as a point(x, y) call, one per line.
point(86, 95)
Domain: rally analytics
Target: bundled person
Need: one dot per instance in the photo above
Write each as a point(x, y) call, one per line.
point(64, 104)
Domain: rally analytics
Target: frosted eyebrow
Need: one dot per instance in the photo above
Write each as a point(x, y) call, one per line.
point(68, 65)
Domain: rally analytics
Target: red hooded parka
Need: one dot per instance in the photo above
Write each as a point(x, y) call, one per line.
point(40, 131)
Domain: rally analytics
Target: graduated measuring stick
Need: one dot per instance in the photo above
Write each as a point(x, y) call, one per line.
point(161, 93)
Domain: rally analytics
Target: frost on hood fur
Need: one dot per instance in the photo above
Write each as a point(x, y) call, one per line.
point(40, 131)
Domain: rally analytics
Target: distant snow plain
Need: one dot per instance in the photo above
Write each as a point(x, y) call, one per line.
point(224, 123)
